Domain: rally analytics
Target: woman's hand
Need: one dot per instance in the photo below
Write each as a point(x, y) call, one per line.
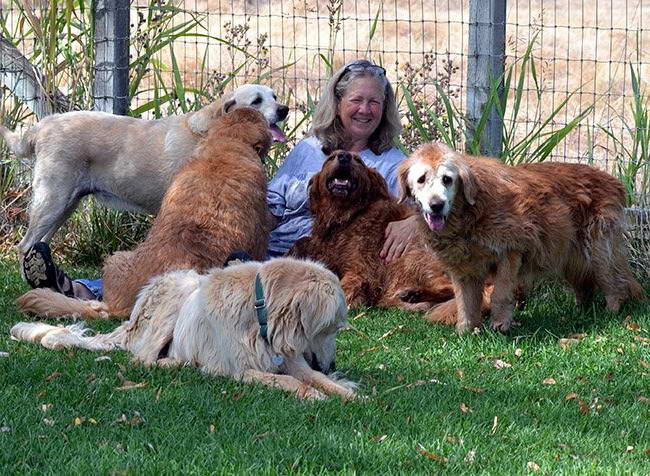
point(398, 236)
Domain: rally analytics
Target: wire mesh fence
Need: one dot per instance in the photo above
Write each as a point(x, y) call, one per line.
point(582, 51)
point(182, 53)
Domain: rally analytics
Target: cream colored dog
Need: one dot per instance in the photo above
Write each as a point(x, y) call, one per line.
point(210, 321)
point(125, 162)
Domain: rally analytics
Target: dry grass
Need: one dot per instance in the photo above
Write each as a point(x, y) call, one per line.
point(580, 48)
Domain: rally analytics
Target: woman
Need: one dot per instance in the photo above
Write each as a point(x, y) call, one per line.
point(357, 112)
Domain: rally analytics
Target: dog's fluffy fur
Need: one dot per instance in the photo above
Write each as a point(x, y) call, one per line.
point(210, 321)
point(352, 207)
point(215, 205)
point(481, 216)
point(125, 162)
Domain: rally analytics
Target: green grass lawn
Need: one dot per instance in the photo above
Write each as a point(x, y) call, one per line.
point(437, 403)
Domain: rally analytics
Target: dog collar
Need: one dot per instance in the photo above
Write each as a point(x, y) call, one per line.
point(260, 308)
point(262, 317)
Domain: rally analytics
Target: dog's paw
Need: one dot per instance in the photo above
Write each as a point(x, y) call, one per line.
point(463, 327)
point(310, 394)
point(411, 295)
point(505, 325)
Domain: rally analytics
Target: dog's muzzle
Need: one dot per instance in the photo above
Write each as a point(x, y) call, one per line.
point(315, 364)
point(341, 183)
point(435, 218)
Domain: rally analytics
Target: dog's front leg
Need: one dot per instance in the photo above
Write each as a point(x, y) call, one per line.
point(503, 296)
point(301, 370)
point(285, 382)
point(469, 295)
point(354, 290)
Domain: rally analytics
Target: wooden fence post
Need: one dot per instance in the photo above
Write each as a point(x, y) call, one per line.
point(111, 86)
point(486, 55)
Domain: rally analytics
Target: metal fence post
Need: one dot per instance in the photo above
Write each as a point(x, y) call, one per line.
point(111, 86)
point(486, 55)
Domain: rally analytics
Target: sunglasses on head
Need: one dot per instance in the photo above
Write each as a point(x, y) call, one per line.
point(363, 65)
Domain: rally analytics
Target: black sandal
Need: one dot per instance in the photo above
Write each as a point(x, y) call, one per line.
point(40, 271)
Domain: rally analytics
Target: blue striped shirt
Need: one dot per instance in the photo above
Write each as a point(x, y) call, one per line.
point(287, 195)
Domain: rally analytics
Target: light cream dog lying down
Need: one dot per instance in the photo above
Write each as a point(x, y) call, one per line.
point(210, 321)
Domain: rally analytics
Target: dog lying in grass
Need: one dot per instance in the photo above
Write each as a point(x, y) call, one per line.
point(210, 321)
point(481, 216)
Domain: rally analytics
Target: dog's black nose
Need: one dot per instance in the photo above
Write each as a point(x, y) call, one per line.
point(344, 157)
point(436, 207)
point(282, 113)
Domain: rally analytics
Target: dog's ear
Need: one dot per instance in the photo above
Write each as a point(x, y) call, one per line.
point(228, 105)
point(200, 121)
point(378, 188)
point(263, 144)
point(402, 177)
point(468, 180)
point(313, 191)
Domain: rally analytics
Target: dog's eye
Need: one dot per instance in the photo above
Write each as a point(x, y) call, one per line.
point(446, 180)
point(258, 100)
point(422, 179)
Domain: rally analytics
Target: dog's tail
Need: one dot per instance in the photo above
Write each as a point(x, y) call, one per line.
point(59, 337)
point(21, 146)
point(48, 303)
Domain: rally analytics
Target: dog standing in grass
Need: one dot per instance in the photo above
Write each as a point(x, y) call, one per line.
point(481, 216)
point(126, 163)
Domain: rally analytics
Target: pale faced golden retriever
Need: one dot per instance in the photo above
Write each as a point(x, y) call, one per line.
point(481, 216)
point(215, 205)
point(210, 321)
point(126, 163)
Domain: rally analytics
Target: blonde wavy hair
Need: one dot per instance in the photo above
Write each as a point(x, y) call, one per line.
point(327, 126)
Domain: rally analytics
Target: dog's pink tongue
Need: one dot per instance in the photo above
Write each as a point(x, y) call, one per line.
point(436, 223)
point(277, 134)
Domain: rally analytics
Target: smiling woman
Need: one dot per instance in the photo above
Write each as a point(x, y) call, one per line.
point(357, 112)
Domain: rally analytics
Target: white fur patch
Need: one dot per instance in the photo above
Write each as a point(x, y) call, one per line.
point(248, 94)
point(427, 186)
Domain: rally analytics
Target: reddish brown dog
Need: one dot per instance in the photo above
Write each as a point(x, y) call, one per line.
point(216, 204)
point(352, 207)
point(525, 222)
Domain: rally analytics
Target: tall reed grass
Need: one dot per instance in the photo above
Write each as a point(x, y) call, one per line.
point(58, 38)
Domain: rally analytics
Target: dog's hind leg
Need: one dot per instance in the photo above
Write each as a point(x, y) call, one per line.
point(48, 303)
point(503, 297)
point(51, 205)
point(284, 382)
point(611, 269)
